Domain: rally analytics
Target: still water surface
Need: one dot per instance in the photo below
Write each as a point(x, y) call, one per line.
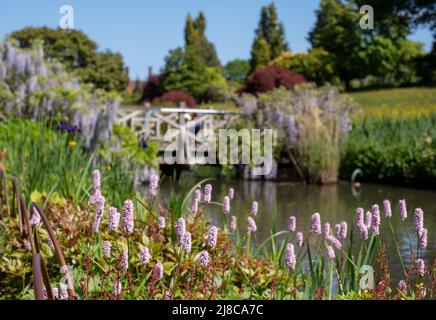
point(335, 203)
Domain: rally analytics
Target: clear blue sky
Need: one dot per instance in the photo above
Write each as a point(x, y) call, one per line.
point(144, 31)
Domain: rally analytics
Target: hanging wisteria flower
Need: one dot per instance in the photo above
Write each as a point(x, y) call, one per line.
point(123, 261)
point(326, 230)
point(144, 256)
point(292, 223)
point(158, 271)
point(114, 218)
point(212, 237)
point(204, 258)
point(161, 222)
point(387, 207)
point(117, 287)
point(338, 230)
point(231, 193)
point(186, 242)
point(233, 224)
point(63, 291)
point(330, 252)
point(252, 225)
point(106, 248)
point(359, 212)
point(127, 218)
point(299, 239)
point(419, 222)
point(420, 267)
point(403, 209)
point(35, 219)
point(226, 205)
point(423, 239)
point(207, 193)
point(334, 241)
point(55, 292)
point(402, 285)
point(254, 208)
point(290, 257)
point(180, 229)
point(315, 226)
point(344, 228)
point(98, 213)
point(368, 219)
point(154, 181)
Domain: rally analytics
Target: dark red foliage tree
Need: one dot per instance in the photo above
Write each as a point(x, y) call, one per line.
point(152, 89)
point(175, 97)
point(271, 77)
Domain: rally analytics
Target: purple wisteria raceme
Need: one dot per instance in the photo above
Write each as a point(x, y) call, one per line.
point(403, 209)
point(292, 223)
point(226, 205)
point(127, 217)
point(123, 261)
point(420, 267)
point(419, 222)
point(368, 219)
point(35, 219)
point(55, 292)
point(422, 241)
point(204, 258)
point(326, 230)
point(344, 228)
point(144, 256)
point(114, 219)
point(299, 239)
point(99, 209)
point(154, 181)
point(231, 193)
point(402, 286)
point(161, 222)
point(207, 193)
point(63, 292)
point(315, 226)
point(334, 241)
point(107, 248)
point(330, 252)
point(387, 207)
point(212, 237)
point(180, 229)
point(290, 258)
point(233, 225)
point(359, 212)
point(254, 208)
point(186, 242)
point(117, 287)
point(252, 227)
point(158, 271)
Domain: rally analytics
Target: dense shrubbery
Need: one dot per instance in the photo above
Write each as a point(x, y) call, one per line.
point(271, 77)
point(401, 150)
point(174, 98)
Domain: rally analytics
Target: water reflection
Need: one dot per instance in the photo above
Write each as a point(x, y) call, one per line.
point(335, 203)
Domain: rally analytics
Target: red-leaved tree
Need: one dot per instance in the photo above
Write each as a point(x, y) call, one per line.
point(175, 97)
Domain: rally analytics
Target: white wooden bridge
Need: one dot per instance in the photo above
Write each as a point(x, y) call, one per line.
point(152, 123)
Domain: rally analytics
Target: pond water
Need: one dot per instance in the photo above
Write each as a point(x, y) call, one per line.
point(335, 203)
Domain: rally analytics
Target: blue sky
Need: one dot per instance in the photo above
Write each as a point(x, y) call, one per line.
point(144, 31)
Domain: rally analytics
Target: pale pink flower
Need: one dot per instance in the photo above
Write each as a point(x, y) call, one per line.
point(212, 237)
point(292, 223)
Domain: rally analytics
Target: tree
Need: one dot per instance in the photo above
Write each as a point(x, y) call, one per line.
point(260, 54)
point(237, 70)
point(195, 39)
point(269, 37)
point(79, 54)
